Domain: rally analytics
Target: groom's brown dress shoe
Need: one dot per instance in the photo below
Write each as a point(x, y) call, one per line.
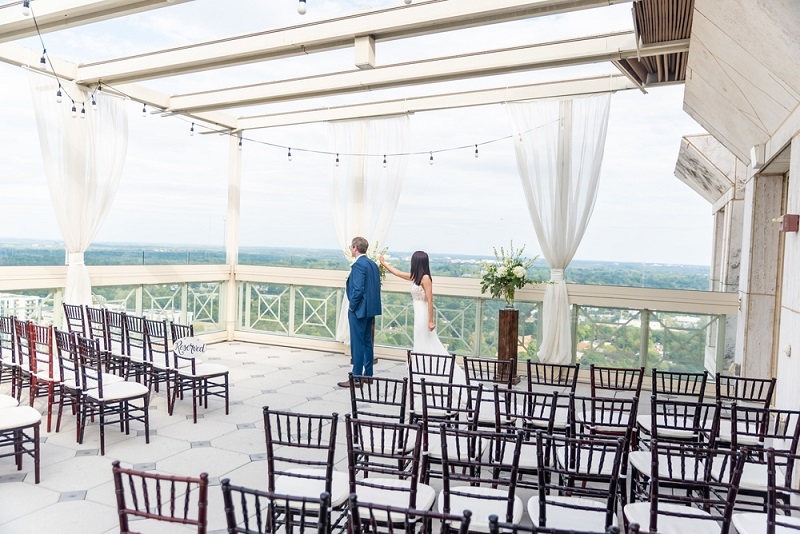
point(346, 384)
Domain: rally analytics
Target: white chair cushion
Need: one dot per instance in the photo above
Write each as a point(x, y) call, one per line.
point(118, 391)
point(453, 444)
point(426, 495)
point(18, 417)
point(640, 460)
point(639, 512)
point(754, 476)
point(527, 456)
point(607, 466)
point(481, 508)
point(753, 523)
point(307, 487)
point(569, 518)
point(7, 401)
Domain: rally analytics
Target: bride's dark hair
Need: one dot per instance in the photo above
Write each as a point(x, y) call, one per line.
point(419, 266)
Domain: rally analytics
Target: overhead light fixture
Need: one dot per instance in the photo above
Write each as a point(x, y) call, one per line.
point(301, 7)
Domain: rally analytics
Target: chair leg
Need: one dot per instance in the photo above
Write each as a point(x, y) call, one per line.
point(101, 408)
point(36, 452)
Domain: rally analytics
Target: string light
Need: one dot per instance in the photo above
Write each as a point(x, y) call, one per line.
point(191, 130)
point(144, 110)
point(59, 99)
point(26, 8)
point(94, 104)
point(337, 160)
point(74, 110)
point(290, 153)
point(476, 151)
point(301, 7)
point(384, 161)
point(43, 60)
point(83, 111)
point(240, 143)
point(407, 2)
point(430, 161)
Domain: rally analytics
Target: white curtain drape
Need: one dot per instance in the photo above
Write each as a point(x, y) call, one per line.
point(364, 192)
point(559, 147)
point(83, 161)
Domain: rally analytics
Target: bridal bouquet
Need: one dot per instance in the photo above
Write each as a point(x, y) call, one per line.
point(373, 254)
point(509, 272)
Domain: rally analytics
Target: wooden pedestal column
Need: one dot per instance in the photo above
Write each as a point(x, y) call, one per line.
point(507, 338)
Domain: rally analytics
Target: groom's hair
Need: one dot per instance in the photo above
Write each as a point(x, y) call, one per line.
point(361, 244)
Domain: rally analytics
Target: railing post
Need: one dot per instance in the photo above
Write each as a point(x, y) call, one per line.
point(245, 303)
point(476, 350)
point(574, 330)
point(721, 320)
point(139, 299)
point(58, 309)
point(292, 298)
point(185, 303)
point(644, 338)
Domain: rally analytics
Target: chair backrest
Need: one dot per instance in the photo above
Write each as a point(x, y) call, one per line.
point(756, 429)
point(67, 356)
point(479, 458)
point(499, 527)
point(584, 466)
point(680, 421)
point(752, 391)
point(603, 416)
point(158, 344)
point(24, 343)
point(96, 327)
point(75, 318)
point(524, 410)
point(8, 345)
point(116, 332)
point(43, 353)
point(456, 404)
point(167, 498)
point(615, 381)
point(782, 495)
point(711, 474)
point(300, 441)
point(180, 331)
point(430, 367)
point(252, 511)
point(135, 338)
point(552, 377)
point(90, 364)
point(381, 450)
point(379, 399)
point(370, 518)
point(489, 371)
point(679, 385)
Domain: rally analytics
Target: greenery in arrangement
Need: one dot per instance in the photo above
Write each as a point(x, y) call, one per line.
point(509, 272)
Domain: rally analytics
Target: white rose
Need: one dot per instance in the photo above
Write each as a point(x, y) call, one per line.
point(502, 271)
point(519, 271)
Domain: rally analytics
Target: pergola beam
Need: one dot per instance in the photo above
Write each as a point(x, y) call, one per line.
point(61, 14)
point(597, 84)
point(422, 18)
point(524, 58)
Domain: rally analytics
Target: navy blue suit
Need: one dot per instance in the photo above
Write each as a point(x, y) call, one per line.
point(364, 293)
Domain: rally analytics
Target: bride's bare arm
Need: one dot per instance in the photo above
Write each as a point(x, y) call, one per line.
point(427, 285)
point(397, 272)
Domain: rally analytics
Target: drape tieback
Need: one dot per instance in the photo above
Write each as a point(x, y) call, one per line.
point(556, 275)
point(75, 258)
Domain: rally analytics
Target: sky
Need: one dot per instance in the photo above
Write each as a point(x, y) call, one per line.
point(174, 186)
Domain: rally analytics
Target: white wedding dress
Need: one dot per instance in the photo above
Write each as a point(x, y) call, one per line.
point(425, 341)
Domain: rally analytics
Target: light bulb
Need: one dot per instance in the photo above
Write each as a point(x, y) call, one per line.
point(337, 160)
point(431, 160)
point(43, 63)
point(191, 130)
point(58, 96)
point(384, 161)
point(407, 2)
point(301, 7)
point(74, 110)
point(240, 143)
point(83, 111)
point(94, 104)
point(476, 151)
point(26, 8)
point(290, 154)
point(144, 110)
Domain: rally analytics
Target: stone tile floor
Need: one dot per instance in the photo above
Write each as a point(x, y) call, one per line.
point(76, 493)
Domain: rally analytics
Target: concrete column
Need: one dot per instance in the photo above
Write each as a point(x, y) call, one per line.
point(788, 349)
point(758, 289)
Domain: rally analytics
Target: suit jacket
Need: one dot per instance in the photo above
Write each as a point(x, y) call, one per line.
point(364, 288)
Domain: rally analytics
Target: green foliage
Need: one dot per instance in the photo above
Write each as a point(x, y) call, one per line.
point(509, 272)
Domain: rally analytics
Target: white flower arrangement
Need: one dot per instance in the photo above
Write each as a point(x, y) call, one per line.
point(509, 272)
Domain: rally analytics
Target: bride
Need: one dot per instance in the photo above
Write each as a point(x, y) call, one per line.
point(425, 338)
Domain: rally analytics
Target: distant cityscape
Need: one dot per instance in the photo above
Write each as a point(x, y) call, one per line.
point(18, 252)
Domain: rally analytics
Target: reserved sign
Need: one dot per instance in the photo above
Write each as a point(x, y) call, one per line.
point(189, 346)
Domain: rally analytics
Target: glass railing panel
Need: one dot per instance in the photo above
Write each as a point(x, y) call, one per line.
point(608, 337)
point(36, 305)
point(315, 311)
point(679, 340)
point(264, 307)
point(118, 298)
point(202, 307)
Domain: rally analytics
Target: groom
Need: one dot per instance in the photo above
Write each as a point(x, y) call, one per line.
point(364, 293)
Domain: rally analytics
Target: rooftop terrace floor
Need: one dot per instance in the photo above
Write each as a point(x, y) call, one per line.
point(76, 493)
